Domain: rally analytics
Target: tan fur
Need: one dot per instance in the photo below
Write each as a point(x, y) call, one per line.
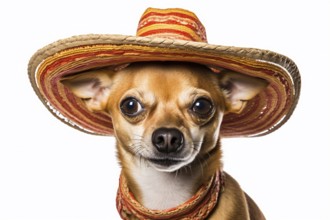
point(167, 91)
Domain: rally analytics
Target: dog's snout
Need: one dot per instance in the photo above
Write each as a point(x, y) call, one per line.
point(168, 140)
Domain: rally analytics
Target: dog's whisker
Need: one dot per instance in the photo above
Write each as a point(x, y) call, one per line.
point(201, 166)
point(138, 136)
point(195, 145)
point(191, 172)
point(139, 149)
point(176, 174)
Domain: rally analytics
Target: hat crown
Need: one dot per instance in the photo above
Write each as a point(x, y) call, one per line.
point(171, 23)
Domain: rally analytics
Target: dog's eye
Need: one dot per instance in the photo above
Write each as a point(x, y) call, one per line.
point(131, 107)
point(202, 107)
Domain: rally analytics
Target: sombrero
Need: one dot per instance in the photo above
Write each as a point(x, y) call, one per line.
point(164, 35)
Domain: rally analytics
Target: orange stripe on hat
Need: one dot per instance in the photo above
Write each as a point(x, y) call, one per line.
point(170, 31)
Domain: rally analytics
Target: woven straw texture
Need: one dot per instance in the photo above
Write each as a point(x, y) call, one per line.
point(262, 115)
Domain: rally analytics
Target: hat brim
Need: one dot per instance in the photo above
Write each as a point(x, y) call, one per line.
point(262, 115)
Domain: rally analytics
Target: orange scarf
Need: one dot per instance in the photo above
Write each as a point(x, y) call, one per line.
point(197, 207)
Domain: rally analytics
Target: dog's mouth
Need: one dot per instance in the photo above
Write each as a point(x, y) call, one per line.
point(165, 162)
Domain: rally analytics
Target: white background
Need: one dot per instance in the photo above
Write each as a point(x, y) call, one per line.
point(51, 171)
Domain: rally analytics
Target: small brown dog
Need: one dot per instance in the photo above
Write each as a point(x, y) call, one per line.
point(167, 117)
point(164, 94)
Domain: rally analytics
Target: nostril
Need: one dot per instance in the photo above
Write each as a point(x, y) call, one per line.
point(160, 140)
point(175, 141)
point(167, 140)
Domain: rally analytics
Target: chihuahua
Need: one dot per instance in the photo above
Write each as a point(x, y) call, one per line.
point(167, 120)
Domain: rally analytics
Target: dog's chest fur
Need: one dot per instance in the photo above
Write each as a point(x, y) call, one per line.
point(162, 190)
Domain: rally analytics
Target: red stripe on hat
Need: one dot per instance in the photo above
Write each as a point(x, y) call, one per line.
point(171, 13)
point(182, 35)
point(68, 109)
point(169, 22)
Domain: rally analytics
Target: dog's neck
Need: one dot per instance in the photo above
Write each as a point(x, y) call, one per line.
point(162, 190)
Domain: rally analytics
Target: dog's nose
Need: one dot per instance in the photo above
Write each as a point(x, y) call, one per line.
point(168, 140)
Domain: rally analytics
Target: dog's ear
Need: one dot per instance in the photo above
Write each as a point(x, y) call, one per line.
point(93, 87)
point(239, 88)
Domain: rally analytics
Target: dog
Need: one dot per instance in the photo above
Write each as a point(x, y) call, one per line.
point(167, 121)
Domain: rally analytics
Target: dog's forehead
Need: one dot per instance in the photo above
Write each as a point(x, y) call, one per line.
point(172, 78)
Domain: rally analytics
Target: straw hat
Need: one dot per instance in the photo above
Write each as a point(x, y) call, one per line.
point(164, 35)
